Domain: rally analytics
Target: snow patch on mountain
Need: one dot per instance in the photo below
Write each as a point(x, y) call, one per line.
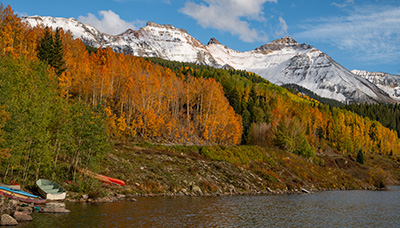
point(282, 61)
point(389, 83)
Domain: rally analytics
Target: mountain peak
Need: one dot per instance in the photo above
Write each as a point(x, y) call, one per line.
point(279, 44)
point(213, 41)
point(165, 26)
point(281, 61)
point(153, 24)
point(128, 32)
point(287, 40)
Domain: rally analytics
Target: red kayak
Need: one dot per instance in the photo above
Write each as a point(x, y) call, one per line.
point(95, 175)
point(102, 178)
point(115, 181)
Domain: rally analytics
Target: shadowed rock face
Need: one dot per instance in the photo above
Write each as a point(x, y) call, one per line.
point(213, 41)
point(285, 42)
point(282, 61)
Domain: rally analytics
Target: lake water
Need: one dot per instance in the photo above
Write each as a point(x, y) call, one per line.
point(321, 209)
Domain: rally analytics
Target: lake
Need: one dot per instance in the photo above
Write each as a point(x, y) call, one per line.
point(322, 209)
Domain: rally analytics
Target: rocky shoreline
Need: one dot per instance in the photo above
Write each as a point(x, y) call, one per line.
point(177, 172)
point(14, 212)
point(154, 171)
point(196, 192)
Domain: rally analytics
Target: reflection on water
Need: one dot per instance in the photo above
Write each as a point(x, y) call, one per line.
point(322, 209)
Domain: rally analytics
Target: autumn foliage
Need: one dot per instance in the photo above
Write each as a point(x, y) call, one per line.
point(272, 116)
point(194, 105)
point(146, 101)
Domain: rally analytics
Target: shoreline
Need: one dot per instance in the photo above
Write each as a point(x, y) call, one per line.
point(135, 197)
point(174, 171)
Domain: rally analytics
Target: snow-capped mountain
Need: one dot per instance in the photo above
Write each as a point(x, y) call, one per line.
point(389, 83)
point(282, 61)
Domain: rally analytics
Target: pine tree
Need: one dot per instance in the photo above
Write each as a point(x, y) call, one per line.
point(45, 49)
point(58, 53)
point(360, 157)
point(51, 50)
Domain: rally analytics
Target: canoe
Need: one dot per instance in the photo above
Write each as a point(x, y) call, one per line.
point(25, 200)
point(17, 193)
point(13, 186)
point(50, 190)
point(116, 181)
point(96, 176)
point(102, 178)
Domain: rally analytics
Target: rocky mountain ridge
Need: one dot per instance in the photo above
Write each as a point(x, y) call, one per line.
point(282, 61)
point(389, 83)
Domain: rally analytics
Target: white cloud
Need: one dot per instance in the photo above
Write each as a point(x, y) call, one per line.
point(230, 16)
point(109, 22)
point(370, 33)
point(23, 14)
point(345, 4)
point(283, 26)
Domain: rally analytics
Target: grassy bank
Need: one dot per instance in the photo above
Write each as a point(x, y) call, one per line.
point(194, 170)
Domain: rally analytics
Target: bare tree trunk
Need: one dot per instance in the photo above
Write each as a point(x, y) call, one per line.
point(56, 158)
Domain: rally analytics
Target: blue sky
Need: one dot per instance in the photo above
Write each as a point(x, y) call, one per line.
point(358, 34)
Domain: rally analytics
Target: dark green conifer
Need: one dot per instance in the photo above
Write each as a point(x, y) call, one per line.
point(51, 50)
point(45, 49)
point(360, 157)
point(58, 54)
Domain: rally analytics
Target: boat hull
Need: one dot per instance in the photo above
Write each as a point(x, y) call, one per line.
point(99, 177)
point(12, 186)
point(50, 190)
point(17, 193)
point(50, 196)
point(102, 178)
point(25, 200)
point(116, 181)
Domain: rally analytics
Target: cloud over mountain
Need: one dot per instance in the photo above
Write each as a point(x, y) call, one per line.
point(229, 16)
point(369, 33)
point(109, 22)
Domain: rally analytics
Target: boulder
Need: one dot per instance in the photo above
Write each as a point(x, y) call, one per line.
point(342, 163)
point(27, 210)
point(120, 196)
point(55, 204)
point(22, 217)
point(7, 220)
point(197, 190)
point(12, 204)
point(53, 210)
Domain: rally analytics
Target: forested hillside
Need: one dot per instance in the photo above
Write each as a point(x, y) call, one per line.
point(387, 114)
point(42, 134)
point(273, 116)
point(64, 110)
point(61, 105)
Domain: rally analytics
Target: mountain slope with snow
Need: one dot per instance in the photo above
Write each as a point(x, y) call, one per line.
point(282, 61)
point(389, 83)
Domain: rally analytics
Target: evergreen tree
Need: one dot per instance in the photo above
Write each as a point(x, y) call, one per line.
point(360, 157)
point(58, 54)
point(51, 50)
point(45, 49)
